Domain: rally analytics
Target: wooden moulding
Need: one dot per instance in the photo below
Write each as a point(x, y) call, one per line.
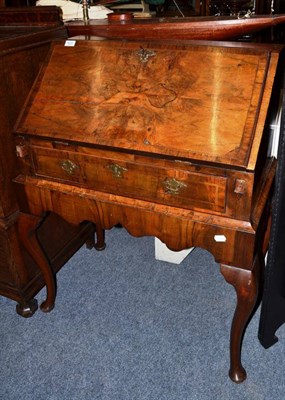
point(140, 218)
point(190, 28)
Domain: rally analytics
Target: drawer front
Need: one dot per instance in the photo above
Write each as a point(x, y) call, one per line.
point(160, 184)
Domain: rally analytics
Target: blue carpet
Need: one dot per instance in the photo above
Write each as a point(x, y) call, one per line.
point(128, 327)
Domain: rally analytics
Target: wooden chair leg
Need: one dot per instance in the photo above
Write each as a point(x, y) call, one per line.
point(246, 284)
point(99, 243)
point(100, 238)
point(27, 226)
point(90, 242)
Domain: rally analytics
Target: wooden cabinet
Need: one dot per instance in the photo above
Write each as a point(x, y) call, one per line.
point(168, 140)
point(25, 38)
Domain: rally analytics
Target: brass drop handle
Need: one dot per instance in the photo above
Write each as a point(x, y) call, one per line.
point(173, 186)
point(68, 166)
point(117, 170)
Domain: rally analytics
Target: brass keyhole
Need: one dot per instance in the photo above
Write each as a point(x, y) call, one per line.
point(173, 186)
point(68, 166)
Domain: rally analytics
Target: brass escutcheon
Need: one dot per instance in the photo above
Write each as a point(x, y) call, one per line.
point(145, 54)
point(68, 166)
point(173, 186)
point(117, 170)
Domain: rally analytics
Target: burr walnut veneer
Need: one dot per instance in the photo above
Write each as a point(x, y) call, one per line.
point(168, 140)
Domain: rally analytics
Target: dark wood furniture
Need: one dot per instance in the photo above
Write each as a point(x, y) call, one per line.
point(191, 28)
point(167, 140)
point(184, 8)
point(228, 7)
point(33, 17)
point(25, 38)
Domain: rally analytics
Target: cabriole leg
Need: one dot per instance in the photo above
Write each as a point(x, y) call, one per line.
point(27, 226)
point(246, 284)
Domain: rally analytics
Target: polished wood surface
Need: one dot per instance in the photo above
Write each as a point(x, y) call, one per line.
point(112, 134)
point(22, 52)
point(189, 28)
point(246, 284)
point(18, 71)
point(47, 16)
point(136, 114)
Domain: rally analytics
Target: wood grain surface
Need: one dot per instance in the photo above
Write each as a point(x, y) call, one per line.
point(202, 103)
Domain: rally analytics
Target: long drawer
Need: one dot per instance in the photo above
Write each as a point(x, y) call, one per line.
point(147, 179)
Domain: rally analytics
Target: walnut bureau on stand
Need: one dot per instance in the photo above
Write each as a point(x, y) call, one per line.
point(168, 140)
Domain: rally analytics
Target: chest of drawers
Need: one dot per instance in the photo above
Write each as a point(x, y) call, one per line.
point(168, 140)
point(25, 37)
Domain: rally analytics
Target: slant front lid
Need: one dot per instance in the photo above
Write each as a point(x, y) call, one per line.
point(200, 102)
